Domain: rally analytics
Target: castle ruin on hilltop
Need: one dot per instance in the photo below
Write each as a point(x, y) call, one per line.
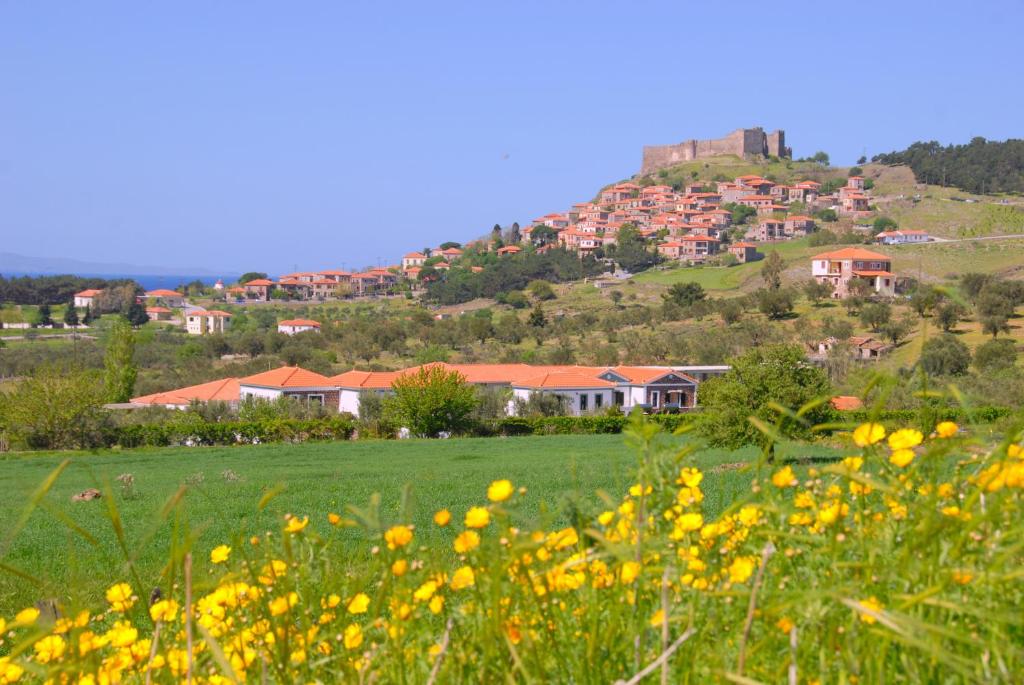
point(743, 142)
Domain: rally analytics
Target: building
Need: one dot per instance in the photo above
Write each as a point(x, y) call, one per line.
point(168, 298)
point(203, 322)
point(768, 230)
point(509, 250)
point(745, 252)
point(158, 313)
point(799, 225)
point(902, 237)
point(293, 326)
point(219, 285)
point(743, 142)
point(840, 267)
point(86, 297)
point(223, 390)
point(259, 289)
point(292, 382)
point(413, 259)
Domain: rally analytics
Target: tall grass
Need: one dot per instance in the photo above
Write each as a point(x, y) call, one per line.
point(900, 563)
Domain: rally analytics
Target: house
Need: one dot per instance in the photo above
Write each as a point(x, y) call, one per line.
point(450, 254)
point(223, 390)
point(169, 298)
point(85, 298)
point(293, 326)
point(158, 313)
point(855, 182)
point(292, 382)
point(745, 252)
point(697, 248)
point(581, 392)
point(336, 275)
point(203, 322)
point(799, 225)
point(258, 289)
point(768, 230)
point(854, 203)
point(413, 259)
point(902, 237)
point(758, 202)
point(840, 267)
point(509, 250)
point(219, 285)
point(672, 249)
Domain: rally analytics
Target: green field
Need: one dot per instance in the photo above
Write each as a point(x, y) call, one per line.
point(317, 479)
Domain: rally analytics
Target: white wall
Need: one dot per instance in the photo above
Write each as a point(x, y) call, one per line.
point(263, 393)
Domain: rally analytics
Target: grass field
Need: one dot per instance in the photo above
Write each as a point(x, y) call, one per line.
point(317, 479)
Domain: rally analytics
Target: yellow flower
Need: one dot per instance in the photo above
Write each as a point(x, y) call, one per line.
point(353, 636)
point(50, 648)
point(946, 429)
point(690, 477)
point(359, 604)
point(463, 578)
point(689, 522)
point(962, 577)
point(425, 591)
point(477, 517)
point(500, 490)
point(657, 619)
point(853, 463)
point(871, 604)
point(740, 569)
point(901, 457)
point(9, 672)
point(784, 624)
point(296, 525)
point(330, 601)
point(630, 570)
point(333, 519)
point(398, 536)
point(868, 434)
point(905, 438)
point(563, 539)
point(280, 605)
point(467, 541)
point(120, 597)
point(220, 554)
point(164, 610)
point(436, 604)
point(784, 478)
point(26, 617)
point(399, 567)
point(443, 517)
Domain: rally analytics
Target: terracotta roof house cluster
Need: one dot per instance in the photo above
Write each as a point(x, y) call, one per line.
point(840, 268)
point(862, 347)
point(321, 285)
point(583, 388)
point(293, 326)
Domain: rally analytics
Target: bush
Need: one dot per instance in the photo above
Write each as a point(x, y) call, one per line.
point(945, 355)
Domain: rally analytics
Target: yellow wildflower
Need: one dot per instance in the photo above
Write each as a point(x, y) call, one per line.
point(26, 617)
point(359, 604)
point(905, 438)
point(220, 554)
point(9, 671)
point(164, 610)
point(565, 538)
point(443, 517)
point(690, 477)
point(398, 536)
point(463, 578)
point(689, 522)
point(946, 429)
point(630, 570)
point(425, 591)
point(784, 478)
point(333, 519)
point(784, 624)
point(280, 605)
point(962, 577)
point(436, 604)
point(500, 490)
point(657, 618)
point(296, 525)
point(353, 636)
point(868, 434)
point(902, 457)
point(467, 541)
point(871, 604)
point(477, 517)
point(740, 569)
point(50, 648)
point(120, 597)
point(399, 567)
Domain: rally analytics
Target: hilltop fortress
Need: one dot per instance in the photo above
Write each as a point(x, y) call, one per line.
point(743, 142)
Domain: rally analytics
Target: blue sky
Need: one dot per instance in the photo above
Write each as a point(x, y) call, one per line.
point(259, 135)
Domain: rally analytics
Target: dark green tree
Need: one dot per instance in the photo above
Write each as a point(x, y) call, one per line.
point(995, 355)
point(771, 270)
point(945, 355)
point(70, 314)
point(136, 314)
point(684, 294)
point(43, 316)
point(120, 370)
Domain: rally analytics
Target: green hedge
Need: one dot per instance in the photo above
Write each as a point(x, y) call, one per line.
point(908, 416)
point(565, 425)
point(230, 433)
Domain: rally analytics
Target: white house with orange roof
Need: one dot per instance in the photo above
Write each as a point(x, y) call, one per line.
point(840, 267)
point(902, 237)
point(290, 381)
point(413, 259)
point(206, 322)
point(293, 326)
point(222, 390)
point(169, 298)
point(85, 298)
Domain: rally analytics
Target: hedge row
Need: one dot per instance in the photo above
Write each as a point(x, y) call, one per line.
point(907, 416)
point(230, 432)
point(565, 425)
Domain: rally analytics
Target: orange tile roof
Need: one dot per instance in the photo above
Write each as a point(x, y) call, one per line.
point(565, 379)
point(377, 380)
point(647, 374)
point(157, 310)
point(163, 293)
point(223, 390)
point(699, 238)
point(259, 281)
point(853, 253)
point(287, 377)
point(742, 244)
point(333, 272)
point(415, 255)
point(204, 312)
point(299, 322)
point(869, 272)
point(847, 403)
point(91, 292)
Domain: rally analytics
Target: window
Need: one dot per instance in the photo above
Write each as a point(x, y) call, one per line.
point(655, 398)
point(598, 400)
point(583, 401)
point(618, 398)
point(317, 400)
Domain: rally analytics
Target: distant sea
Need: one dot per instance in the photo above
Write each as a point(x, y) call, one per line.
point(147, 281)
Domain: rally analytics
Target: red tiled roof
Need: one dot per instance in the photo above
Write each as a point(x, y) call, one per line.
point(157, 310)
point(565, 379)
point(91, 292)
point(847, 403)
point(259, 281)
point(871, 273)
point(287, 377)
point(223, 390)
point(853, 253)
point(163, 293)
point(299, 322)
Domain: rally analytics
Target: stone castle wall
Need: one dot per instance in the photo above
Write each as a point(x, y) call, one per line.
point(743, 142)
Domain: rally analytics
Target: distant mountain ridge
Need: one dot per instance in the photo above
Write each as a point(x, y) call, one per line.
point(17, 263)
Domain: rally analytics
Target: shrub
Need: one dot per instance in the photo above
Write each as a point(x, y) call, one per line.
point(431, 400)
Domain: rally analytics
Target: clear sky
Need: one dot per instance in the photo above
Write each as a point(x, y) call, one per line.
point(270, 135)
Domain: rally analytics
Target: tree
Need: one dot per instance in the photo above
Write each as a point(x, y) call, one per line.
point(730, 310)
point(775, 304)
point(54, 408)
point(70, 314)
point(515, 236)
point(948, 315)
point(945, 355)
point(43, 316)
point(862, 159)
point(251, 276)
point(827, 215)
point(856, 170)
point(840, 329)
point(496, 235)
point(762, 375)
point(543, 235)
point(875, 315)
point(896, 330)
point(136, 315)
point(632, 252)
point(995, 355)
point(821, 158)
point(771, 270)
point(684, 294)
point(816, 291)
point(542, 290)
point(119, 366)
point(88, 317)
point(430, 401)
point(537, 321)
point(450, 244)
point(541, 404)
point(994, 324)
point(924, 299)
point(740, 213)
point(883, 223)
